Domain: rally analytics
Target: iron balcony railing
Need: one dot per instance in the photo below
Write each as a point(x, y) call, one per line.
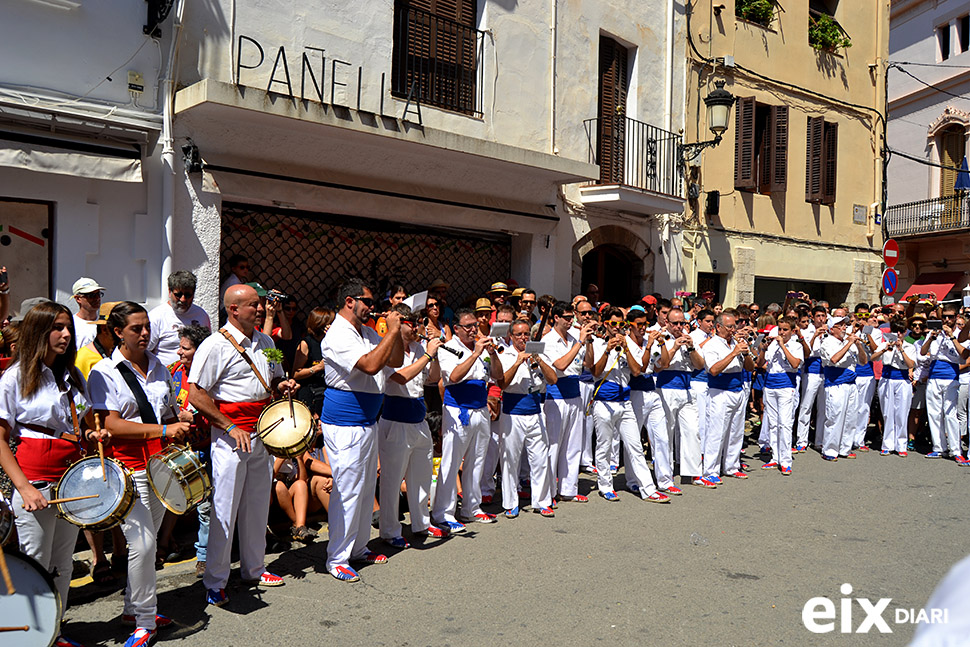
point(923, 217)
point(437, 61)
point(636, 154)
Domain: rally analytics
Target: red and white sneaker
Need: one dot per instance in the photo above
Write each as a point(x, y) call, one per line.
point(141, 638)
point(658, 497)
point(700, 481)
point(372, 558)
point(267, 579)
point(579, 498)
point(160, 621)
point(481, 517)
point(63, 641)
point(673, 489)
point(434, 531)
point(737, 475)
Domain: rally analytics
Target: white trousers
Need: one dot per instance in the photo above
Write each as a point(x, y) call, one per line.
point(941, 410)
point(353, 460)
point(779, 418)
point(405, 450)
point(725, 431)
point(841, 407)
point(586, 393)
point(698, 392)
point(895, 397)
point(141, 530)
point(649, 411)
point(867, 387)
point(813, 394)
point(681, 410)
point(47, 538)
point(525, 432)
point(241, 486)
point(618, 418)
point(565, 419)
point(962, 409)
point(461, 443)
point(492, 452)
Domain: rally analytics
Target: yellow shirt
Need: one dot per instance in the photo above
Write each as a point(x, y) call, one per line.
point(86, 358)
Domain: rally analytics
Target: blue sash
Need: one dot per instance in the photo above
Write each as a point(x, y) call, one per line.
point(813, 365)
point(784, 380)
point(835, 375)
point(466, 396)
point(642, 383)
point(941, 370)
point(520, 404)
point(759, 382)
point(865, 370)
point(700, 376)
point(565, 388)
point(350, 408)
point(727, 381)
point(674, 380)
point(586, 376)
point(612, 392)
point(893, 373)
point(401, 409)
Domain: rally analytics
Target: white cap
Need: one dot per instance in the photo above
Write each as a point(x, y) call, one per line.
point(834, 320)
point(85, 285)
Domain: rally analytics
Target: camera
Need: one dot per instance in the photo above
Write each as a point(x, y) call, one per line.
point(275, 296)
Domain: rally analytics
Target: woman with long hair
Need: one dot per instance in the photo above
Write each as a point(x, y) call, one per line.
point(116, 385)
point(308, 362)
point(43, 399)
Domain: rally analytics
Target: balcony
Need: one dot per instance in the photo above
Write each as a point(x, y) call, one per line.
point(639, 165)
point(948, 214)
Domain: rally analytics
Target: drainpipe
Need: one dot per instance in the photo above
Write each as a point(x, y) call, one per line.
point(168, 150)
point(554, 37)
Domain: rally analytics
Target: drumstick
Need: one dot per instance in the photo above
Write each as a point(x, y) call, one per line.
point(70, 498)
point(97, 428)
point(24, 628)
point(292, 412)
point(6, 578)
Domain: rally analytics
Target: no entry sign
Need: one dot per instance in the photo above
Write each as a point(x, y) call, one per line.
point(890, 253)
point(889, 281)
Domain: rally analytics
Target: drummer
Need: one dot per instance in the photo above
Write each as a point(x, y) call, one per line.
point(36, 394)
point(135, 394)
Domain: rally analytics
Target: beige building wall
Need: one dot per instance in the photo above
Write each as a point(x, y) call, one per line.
point(781, 235)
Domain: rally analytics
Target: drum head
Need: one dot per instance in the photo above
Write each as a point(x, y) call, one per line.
point(281, 431)
point(84, 478)
point(35, 604)
point(167, 485)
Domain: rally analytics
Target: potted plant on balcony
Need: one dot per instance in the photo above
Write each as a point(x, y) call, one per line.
point(826, 34)
point(757, 11)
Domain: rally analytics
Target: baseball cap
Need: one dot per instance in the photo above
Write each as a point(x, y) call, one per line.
point(260, 290)
point(26, 305)
point(483, 304)
point(85, 285)
point(499, 287)
point(104, 311)
point(650, 300)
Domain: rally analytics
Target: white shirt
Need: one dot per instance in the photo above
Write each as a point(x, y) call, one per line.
point(84, 332)
point(413, 388)
point(526, 379)
point(449, 362)
point(680, 359)
point(894, 356)
point(556, 347)
point(166, 323)
point(48, 407)
point(831, 345)
point(717, 349)
point(110, 392)
point(617, 369)
point(219, 368)
point(942, 348)
point(775, 360)
point(342, 348)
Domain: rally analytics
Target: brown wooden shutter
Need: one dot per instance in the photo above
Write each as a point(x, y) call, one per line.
point(830, 154)
point(951, 154)
point(778, 127)
point(813, 159)
point(744, 171)
point(612, 105)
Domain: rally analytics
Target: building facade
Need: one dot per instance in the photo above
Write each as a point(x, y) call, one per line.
point(790, 197)
point(929, 126)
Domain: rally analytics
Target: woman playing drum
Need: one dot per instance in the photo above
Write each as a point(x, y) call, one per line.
point(36, 394)
point(116, 385)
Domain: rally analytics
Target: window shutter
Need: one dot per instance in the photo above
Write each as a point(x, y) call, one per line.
point(744, 171)
point(813, 159)
point(779, 149)
point(951, 154)
point(829, 165)
point(612, 101)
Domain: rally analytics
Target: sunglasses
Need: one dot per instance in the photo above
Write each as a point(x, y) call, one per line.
point(614, 324)
point(527, 303)
point(568, 317)
point(470, 326)
point(676, 323)
point(367, 301)
point(179, 295)
point(432, 305)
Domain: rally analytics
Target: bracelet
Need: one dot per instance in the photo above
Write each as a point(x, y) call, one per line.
point(230, 427)
point(7, 291)
point(430, 358)
point(164, 427)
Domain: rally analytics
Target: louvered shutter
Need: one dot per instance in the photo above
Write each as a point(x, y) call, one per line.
point(830, 156)
point(952, 151)
point(612, 102)
point(778, 127)
point(744, 171)
point(813, 159)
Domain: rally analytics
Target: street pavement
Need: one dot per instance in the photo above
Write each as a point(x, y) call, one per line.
point(732, 566)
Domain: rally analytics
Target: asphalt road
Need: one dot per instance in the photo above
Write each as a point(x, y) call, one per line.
point(732, 566)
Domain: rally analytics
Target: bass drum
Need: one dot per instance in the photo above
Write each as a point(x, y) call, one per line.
point(285, 435)
point(31, 616)
point(115, 494)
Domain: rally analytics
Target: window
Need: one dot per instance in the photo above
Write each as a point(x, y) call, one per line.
point(821, 157)
point(435, 56)
point(952, 149)
point(760, 146)
point(943, 39)
point(611, 108)
point(964, 24)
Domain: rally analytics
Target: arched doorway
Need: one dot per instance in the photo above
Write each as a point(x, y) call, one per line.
point(616, 270)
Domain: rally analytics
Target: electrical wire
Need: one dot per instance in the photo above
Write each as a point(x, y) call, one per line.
point(925, 162)
point(929, 85)
point(958, 67)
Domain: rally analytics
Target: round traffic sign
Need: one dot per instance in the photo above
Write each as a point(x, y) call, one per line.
point(890, 253)
point(889, 281)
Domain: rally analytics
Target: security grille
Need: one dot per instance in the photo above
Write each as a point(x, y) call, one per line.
point(307, 255)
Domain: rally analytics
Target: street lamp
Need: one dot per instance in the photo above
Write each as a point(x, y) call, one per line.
point(719, 103)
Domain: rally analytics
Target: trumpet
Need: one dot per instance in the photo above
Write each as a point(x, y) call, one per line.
point(457, 353)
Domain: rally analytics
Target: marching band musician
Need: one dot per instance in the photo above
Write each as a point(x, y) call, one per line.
point(134, 393)
point(404, 439)
point(943, 386)
point(523, 425)
point(36, 396)
point(613, 363)
point(231, 392)
point(895, 390)
point(841, 353)
point(780, 358)
point(503, 314)
point(464, 423)
point(813, 381)
point(704, 330)
point(585, 314)
point(354, 356)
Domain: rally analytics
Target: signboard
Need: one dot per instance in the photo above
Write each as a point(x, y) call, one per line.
point(890, 253)
point(889, 281)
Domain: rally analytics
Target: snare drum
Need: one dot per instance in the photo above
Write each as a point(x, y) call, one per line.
point(115, 495)
point(35, 605)
point(283, 435)
point(178, 478)
point(6, 521)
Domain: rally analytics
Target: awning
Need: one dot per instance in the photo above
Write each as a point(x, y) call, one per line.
point(94, 162)
point(936, 283)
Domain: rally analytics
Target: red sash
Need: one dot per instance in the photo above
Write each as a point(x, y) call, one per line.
point(243, 414)
point(46, 460)
point(133, 453)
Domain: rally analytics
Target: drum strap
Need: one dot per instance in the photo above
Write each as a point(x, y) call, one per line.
point(249, 360)
point(144, 409)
